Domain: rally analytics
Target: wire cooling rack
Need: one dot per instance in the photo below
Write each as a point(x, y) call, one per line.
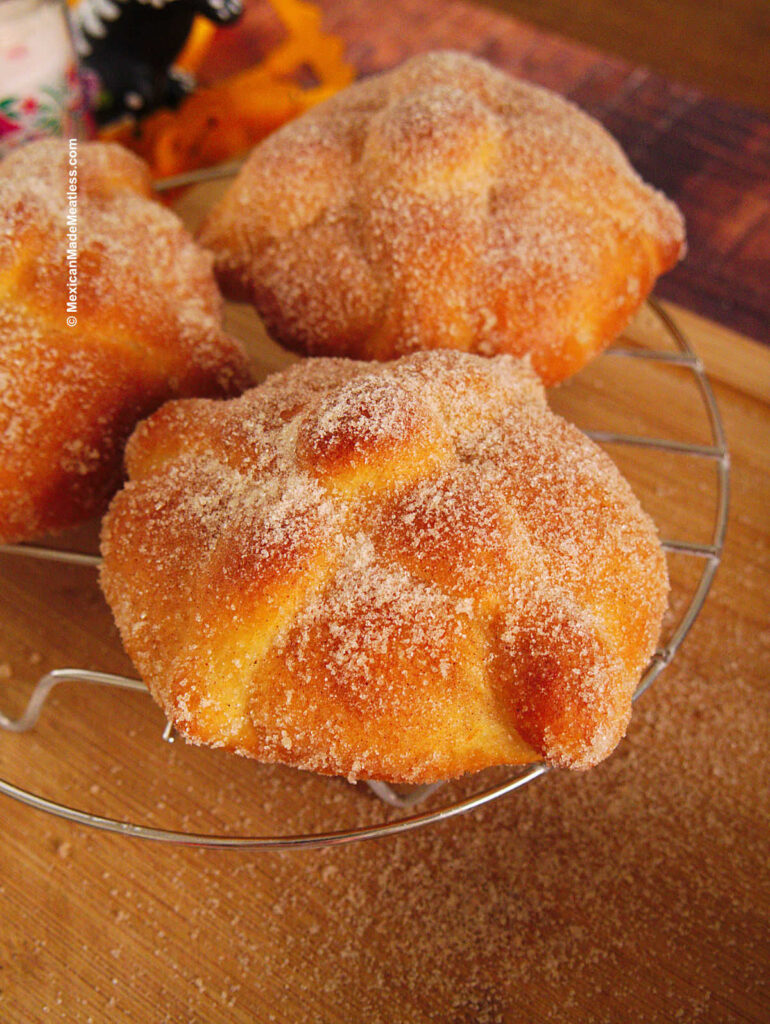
point(708, 553)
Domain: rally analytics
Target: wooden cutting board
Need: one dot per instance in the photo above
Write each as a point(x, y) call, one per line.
point(636, 892)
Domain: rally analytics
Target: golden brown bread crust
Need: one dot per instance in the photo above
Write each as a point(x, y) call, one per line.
point(148, 329)
point(402, 571)
point(443, 205)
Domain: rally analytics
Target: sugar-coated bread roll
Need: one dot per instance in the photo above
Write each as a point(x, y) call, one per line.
point(443, 205)
point(401, 571)
point(145, 327)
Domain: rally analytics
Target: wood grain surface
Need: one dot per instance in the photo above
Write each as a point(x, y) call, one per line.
point(637, 892)
point(717, 47)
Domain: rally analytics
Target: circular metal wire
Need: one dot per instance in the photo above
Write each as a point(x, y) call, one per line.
point(710, 552)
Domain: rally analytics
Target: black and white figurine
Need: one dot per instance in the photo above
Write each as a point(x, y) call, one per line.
point(131, 45)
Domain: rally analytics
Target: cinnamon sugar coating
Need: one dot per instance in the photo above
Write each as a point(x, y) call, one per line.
point(148, 329)
point(443, 205)
point(402, 571)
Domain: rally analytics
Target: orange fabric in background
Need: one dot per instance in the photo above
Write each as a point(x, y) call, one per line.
point(224, 120)
point(198, 42)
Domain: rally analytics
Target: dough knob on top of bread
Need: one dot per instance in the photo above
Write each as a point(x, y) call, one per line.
point(401, 571)
point(443, 205)
point(145, 327)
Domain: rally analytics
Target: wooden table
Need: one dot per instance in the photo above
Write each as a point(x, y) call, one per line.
point(721, 48)
point(636, 892)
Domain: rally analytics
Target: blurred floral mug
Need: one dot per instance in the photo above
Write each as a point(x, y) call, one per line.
point(41, 92)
